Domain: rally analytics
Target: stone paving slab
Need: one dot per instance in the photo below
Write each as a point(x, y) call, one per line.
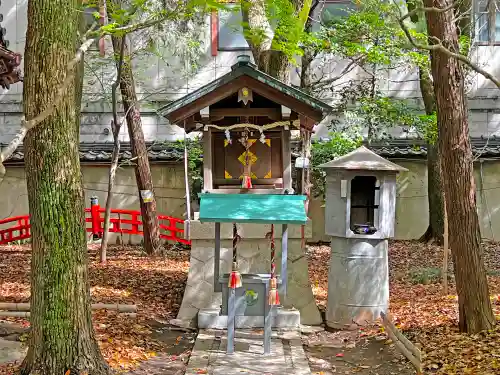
point(11, 351)
point(209, 354)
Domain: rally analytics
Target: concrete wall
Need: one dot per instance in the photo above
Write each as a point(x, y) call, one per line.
point(168, 181)
point(411, 204)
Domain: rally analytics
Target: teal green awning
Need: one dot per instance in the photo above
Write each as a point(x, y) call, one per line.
point(253, 208)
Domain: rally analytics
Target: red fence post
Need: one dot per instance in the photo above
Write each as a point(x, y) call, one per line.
point(96, 217)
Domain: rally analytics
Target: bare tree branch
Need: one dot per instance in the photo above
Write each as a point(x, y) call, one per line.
point(29, 124)
point(123, 30)
point(348, 68)
point(439, 46)
point(89, 39)
point(418, 10)
point(115, 128)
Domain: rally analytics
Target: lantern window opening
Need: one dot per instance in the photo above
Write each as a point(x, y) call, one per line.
point(364, 207)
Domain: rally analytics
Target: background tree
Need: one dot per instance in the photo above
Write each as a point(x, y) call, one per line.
point(274, 30)
point(435, 230)
point(474, 303)
point(62, 336)
point(151, 42)
point(132, 111)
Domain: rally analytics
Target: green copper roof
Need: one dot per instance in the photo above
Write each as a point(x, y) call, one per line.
point(253, 208)
point(241, 68)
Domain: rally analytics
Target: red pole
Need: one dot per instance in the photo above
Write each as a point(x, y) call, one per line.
point(96, 219)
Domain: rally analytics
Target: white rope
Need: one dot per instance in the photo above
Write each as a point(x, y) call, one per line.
point(260, 128)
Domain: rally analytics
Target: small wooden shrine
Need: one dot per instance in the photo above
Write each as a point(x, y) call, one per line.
point(246, 118)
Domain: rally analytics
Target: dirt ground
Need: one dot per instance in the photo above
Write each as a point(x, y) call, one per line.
point(173, 359)
point(349, 353)
point(149, 345)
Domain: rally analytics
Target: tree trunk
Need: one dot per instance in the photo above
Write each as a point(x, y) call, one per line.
point(475, 312)
point(268, 60)
point(115, 129)
point(276, 64)
point(62, 336)
point(435, 229)
point(150, 226)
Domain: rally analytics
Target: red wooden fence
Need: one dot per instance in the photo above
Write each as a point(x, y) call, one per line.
point(122, 221)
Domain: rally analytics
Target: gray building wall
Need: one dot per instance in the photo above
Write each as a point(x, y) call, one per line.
point(412, 207)
point(167, 76)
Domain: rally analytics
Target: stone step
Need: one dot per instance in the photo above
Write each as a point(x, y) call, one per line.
point(284, 319)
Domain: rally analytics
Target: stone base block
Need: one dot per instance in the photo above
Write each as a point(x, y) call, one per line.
point(254, 257)
point(284, 319)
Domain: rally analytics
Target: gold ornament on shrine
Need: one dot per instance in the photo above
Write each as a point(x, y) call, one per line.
point(245, 95)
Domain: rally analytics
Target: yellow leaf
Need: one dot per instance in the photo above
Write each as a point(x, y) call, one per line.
point(67, 372)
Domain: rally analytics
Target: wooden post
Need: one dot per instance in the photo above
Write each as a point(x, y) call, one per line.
point(286, 153)
point(207, 160)
point(445, 251)
point(231, 307)
point(217, 285)
point(95, 215)
point(284, 259)
point(410, 351)
point(95, 306)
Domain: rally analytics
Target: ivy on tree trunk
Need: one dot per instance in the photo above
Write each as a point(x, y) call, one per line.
point(62, 337)
point(475, 312)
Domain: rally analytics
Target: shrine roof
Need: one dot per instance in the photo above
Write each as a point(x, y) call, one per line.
point(242, 74)
point(253, 208)
point(363, 159)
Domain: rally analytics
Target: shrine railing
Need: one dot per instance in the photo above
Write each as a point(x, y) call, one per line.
point(20, 229)
point(122, 221)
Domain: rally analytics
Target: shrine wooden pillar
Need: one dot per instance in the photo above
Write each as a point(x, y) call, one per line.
point(207, 160)
point(286, 156)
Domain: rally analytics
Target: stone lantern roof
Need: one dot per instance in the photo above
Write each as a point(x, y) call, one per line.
point(363, 159)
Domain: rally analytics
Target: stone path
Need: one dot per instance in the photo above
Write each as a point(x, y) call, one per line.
point(10, 348)
point(209, 354)
point(11, 351)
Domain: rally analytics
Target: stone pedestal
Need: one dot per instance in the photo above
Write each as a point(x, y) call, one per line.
point(358, 282)
point(253, 257)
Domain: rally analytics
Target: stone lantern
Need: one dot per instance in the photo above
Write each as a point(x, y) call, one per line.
point(359, 217)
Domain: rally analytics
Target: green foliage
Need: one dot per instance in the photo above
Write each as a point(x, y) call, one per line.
point(286, 21)
point(371, 37)
point(427, 128)
point(425, 275)
point(322, 152)
point(370, 33)
point(380, 113)
point(290, 23)
point(139, 14)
